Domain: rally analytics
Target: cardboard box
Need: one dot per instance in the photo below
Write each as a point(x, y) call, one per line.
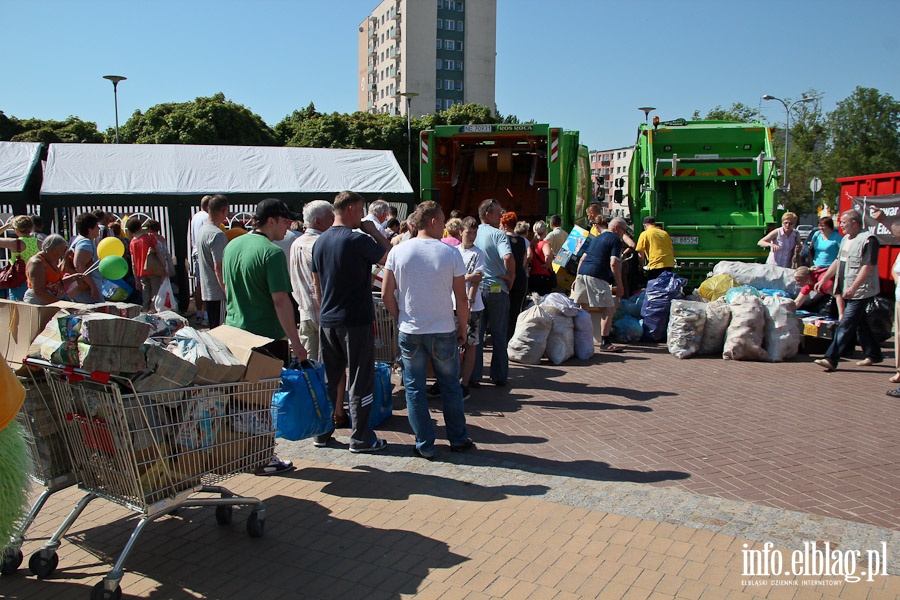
point(248, 348)
point(215, 362)
point(20, 323)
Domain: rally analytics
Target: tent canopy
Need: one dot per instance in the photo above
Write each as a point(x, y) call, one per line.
point(170, 169)
point(19, 179)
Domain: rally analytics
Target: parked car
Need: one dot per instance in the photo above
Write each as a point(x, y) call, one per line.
point(804, 231)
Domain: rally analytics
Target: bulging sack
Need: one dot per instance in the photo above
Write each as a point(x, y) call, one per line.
point(782, 338)
point(530, 338)
point(718, 316)
point(744, 338)
point(301, 409)
point(561, 341)
point(686, 323)
point(584, 335)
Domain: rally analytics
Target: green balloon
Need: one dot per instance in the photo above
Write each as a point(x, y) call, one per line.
point(113, 267)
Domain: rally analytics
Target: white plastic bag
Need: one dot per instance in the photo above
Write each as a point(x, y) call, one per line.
point(759, 276)
point(165, 299)
point(744, 338)
point(584, 335)
point(529, 341)
point(561, 303)
point(685, 330)
point(561, 341)
point(718, 316)
point(782, 338)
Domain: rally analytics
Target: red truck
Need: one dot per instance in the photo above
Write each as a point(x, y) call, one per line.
point(864, 193)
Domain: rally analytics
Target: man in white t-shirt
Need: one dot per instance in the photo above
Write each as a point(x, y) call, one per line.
point(421, 279)
point(197, 221)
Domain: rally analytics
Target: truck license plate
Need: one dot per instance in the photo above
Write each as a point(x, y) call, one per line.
point(685, 240)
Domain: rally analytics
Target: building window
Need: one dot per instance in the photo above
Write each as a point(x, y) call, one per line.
point(448, 104)
point(459, 65)
point(437, 104)
point(449, 65)
point(439, 44)
point(440, 4)
point(448, 84)
point(451, 5)
point(459, 85)
point(438, 64)
point(449, 45)
point(459, 25)
point(449, 25)
point(459, 46)
point(440, 23)
point(437, 84)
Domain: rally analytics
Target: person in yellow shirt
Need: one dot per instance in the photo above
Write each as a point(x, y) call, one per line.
point(654, 246)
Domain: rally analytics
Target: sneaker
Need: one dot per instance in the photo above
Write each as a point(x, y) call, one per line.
point(893, 393)
point(474, 384)
point(825, 364)
point(466, 394)
point(433, 391)
point(323, 443)
point(422, 454)
point(377, 446)
point(467, 445)
point(868, 362)
point(275, 467)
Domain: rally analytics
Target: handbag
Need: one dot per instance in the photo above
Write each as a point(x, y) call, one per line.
point(13, 275)
point(302, 409)
point(68, 268)
point(154, 264)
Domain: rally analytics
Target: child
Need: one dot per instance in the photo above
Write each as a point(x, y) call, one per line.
point(474, 261)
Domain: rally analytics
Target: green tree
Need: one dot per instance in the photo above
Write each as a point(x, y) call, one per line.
point(864, 134)
point(806, 155)
point(213, 120)
point(737, 112)
point(72, 130)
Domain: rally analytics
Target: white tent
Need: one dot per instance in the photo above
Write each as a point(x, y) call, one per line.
point(19, 179)
point(168, 169)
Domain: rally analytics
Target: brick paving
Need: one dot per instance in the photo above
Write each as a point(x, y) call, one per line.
point(629, 476)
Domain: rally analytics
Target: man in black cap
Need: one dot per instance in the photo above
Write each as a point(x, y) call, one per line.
point(258, 287)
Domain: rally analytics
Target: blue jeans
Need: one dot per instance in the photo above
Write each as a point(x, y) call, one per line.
point(854, 325)
point(495, 318)
point(441, 348)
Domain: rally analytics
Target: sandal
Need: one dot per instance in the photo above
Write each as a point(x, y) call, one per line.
point(895, 378)
point(611, 348)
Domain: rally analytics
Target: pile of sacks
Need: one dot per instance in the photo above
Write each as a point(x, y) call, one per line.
point(553, 327)
point(731, 316)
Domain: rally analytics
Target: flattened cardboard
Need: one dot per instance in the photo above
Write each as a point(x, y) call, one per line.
point(20, 323)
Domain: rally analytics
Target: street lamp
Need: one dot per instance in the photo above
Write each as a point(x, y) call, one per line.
point(785, 185)
point(647, 110)
point(409, 96)
point(115, 81)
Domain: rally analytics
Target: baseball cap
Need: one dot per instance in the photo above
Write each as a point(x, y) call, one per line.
point(272, 208)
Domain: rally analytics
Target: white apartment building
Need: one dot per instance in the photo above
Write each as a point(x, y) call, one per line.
point(430, 53)
point(607, 166)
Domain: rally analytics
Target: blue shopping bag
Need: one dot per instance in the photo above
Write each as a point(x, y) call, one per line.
point(383, 400)
point(301, 409)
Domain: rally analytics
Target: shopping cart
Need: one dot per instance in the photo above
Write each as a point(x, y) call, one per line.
point(151, 452)
point(387, 345)
point(52, 467)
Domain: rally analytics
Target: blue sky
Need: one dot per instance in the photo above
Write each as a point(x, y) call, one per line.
point(581, 64)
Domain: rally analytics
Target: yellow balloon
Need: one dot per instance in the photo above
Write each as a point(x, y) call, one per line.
point(110, 246)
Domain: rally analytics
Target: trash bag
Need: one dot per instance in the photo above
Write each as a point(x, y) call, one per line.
point(760, 275)
point(626, 330)
point(718, 316)
point(880, 315)
point(561, 341)
point(782, 333)
point(632, 308)
point(560, 302)
point(686, 323)
point(655, 312)
point(716, 286)
point(584, 335)
point(301, 409)
point(530, 337)
point(744, 338)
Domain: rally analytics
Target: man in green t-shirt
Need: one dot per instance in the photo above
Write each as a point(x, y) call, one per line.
point(258, 287)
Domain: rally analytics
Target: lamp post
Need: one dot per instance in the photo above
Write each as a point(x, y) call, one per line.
point(115, 81)
point(785, 185)
point(647, 110)
point(409, 96)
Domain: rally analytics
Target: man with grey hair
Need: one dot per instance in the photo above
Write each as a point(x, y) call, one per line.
point(599, 268)
point(379, 211)
point(855, 271)
point(318, 216)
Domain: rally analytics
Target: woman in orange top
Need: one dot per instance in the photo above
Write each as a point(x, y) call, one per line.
point(46, 282)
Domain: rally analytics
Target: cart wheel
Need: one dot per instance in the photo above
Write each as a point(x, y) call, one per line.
point(255, 526)
point(43, 567)
point(100, 593)
point(11, 561)
point(223, 514)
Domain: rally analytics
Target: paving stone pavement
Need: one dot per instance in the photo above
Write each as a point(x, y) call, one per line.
point(628, 476)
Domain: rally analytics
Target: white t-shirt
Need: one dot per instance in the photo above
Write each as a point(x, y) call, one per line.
point(424, 270)
point(474, 261)
point(378, 224)
point(197, 222)
point(896, 269)
point(285, 243)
